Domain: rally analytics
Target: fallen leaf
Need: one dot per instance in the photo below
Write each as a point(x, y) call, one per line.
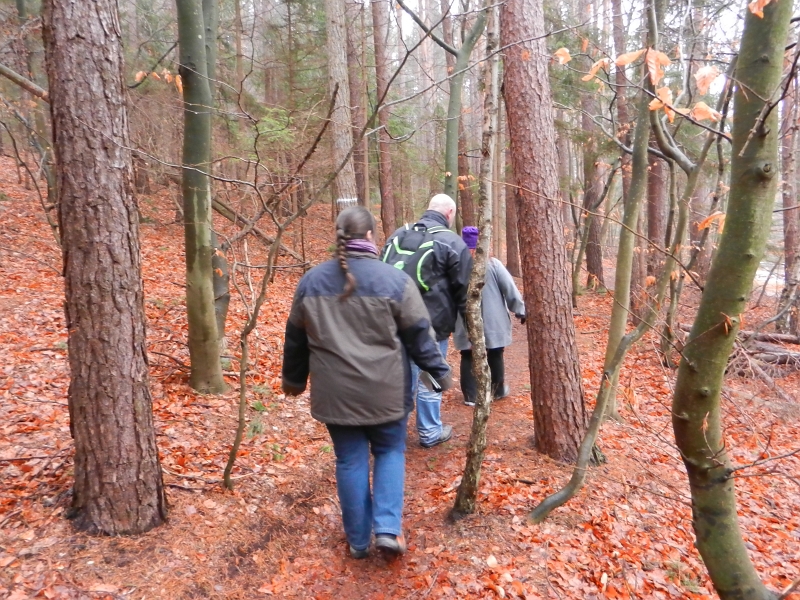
point(491, 561)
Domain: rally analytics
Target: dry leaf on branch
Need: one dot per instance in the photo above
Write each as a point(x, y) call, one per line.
point(757, 7)
point(179, 84)
point(718, 217)
point(702, 111)
point(584, 44)
point(139, 76)
point(628, 58)
point(602, 63)
point(705, 77)
point(663, 100)
point(563, 56)
point(656, 60)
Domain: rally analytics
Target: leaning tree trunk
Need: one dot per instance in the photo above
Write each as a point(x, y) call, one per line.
point(206, 369)
point(342, 118)
point(556, 389)
point(118, 487)
point(380, 33)
point(696, 415)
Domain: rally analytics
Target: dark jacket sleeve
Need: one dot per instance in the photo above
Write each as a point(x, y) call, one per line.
point(459, 268)
point(295, 348)
point(414, 328)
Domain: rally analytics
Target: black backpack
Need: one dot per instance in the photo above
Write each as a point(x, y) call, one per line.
point(411, 251)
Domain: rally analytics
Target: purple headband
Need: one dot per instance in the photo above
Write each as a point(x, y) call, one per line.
point(470, 237)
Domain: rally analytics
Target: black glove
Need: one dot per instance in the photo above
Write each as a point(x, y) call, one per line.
point(521, 319)
point(291, 390)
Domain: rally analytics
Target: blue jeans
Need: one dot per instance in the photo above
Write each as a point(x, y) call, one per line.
point(429, 404)
point(379, 510)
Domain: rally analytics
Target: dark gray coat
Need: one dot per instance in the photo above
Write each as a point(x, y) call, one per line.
point(357, 350)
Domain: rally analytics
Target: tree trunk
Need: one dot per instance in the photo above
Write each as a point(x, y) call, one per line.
point(118, 487)
point(206, 369)
point(788, 322)
point(355, 38)
point(467, 495)
point(696, 417)
point(512, 231)
point(656, 216)
point(627, 241)
point(380, 32)
point(559, 413)
point(342, 118)
point(465, 202)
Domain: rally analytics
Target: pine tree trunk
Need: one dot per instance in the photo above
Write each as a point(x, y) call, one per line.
point(380, 32)
point(559, 413)
point(342, 117)
point(206, 369)
point(118, 487)
point(696, 404)
point(512, 231)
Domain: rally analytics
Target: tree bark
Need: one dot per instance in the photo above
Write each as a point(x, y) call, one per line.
point(206, 369)
point(118, 487)
point(512, 231)
point(559, 413)
point(358, 108)
point(380, 32)
point(788, 322)
point(696, 415)
point(657, 205)
point(467, 495)
point(342, 117)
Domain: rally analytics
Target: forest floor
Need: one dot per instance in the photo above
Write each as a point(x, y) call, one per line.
point(627, 535)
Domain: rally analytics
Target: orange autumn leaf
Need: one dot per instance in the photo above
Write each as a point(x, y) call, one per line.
point(757, 7)
point(563, 56)
point(585, 44)
point(718, 217)
point(155, 76)
point(139, 76)
point(656, 61)
point(663, 100)
point(603, 62)
point(628, 58)
point(179, 84)
point(705, 77)
point(702, 111)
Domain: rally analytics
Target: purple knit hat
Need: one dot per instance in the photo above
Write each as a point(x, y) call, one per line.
point(470, 237)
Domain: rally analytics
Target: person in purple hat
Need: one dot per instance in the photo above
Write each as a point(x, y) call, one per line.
point(500, 298)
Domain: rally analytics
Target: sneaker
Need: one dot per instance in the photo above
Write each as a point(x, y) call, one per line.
point(446, 434)
point(502, 393)
point(359, 553)
point(469, 403)
point(390, 545)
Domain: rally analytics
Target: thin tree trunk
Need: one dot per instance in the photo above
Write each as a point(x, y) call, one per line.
point(206, 369)
point(118, 487)
point(657, 204)
point(788, 323)
point(380, 32)
point(466, 203)
point(467, 495)
point(342, 118)
point(354, 40)
point(512, 232)
point(559, 413)
point(696, 415)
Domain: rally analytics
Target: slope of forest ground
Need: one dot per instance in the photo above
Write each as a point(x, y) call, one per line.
point(627, 535)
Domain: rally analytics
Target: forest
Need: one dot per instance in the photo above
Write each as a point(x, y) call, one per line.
point(170, 170)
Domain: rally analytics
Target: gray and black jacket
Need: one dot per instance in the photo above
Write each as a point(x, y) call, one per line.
point(448, 297)
point(357, 350)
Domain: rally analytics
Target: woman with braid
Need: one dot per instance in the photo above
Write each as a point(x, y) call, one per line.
point(354, 324)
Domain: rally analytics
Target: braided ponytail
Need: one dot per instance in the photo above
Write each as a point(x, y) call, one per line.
point(350, 280)
point(351, 224)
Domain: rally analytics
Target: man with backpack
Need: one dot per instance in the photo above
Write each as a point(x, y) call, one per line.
point(439, 262)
